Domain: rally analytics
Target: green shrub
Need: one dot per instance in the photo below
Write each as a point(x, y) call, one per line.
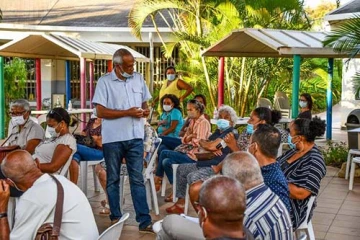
point(335, 153)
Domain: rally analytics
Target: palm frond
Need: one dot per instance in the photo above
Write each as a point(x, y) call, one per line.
point(356, 84)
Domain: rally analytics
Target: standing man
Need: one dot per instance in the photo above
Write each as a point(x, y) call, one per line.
point(120, 99)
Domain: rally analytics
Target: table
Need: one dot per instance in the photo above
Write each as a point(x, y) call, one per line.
point(73, 111)
point(244, 120)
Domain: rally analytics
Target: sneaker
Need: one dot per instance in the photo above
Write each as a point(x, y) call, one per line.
point(148, 229)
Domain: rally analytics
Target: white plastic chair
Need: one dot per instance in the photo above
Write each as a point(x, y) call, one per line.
point(351, 154)
point(187, 200)
point(264, 102)
point(84, 174)
point(352, 172)
point(163, 187)
point(65, 168)
point(282, 104)
point(307, 226)
point(149, 179)
point(114, 232)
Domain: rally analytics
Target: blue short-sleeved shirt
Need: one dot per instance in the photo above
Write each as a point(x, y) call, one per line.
point(173, 115)
point(117, 94)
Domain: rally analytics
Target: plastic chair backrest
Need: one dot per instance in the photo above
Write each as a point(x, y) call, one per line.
point(114, 232)
point(280, 94)
point(283, 103)
point(42, 118)
point(65, 168)
point(151, 166)
point(264, 102)
point(310, 204)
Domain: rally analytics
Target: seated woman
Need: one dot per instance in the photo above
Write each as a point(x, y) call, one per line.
point(303, 165)
point(201, 98)
point(225, 123)
point(198, 129)
point(93, 129)
point(305, 104)
point(52, 154)
point(171, 120)
point(22, 130)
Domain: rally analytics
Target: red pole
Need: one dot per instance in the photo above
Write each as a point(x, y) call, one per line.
point(109, 65)
point(38, 83)
point(91, 88)
point(221, 81)
point(83, 90)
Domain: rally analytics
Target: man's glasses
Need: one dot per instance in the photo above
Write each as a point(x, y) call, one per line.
point(13, 114)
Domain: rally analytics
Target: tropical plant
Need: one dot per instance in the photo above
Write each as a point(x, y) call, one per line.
point(335, 154)
point(345, 38)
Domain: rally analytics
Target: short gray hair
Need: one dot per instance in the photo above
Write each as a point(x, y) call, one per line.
point(21, 103)
point(119, 54)
point(230, 111)
point(244, 167)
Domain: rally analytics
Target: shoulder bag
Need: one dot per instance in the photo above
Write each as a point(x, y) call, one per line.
point(46, 231)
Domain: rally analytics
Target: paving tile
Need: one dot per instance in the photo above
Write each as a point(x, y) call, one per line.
point(345, 230)
point(338, 236)
point(319, 235)
point(323, 218)
point(346, 221)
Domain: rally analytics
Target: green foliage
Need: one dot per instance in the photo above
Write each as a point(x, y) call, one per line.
point(335, 154)
point(15, 74)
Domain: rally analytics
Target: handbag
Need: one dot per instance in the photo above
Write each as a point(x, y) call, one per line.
point(86, 140)
point(46, 231)
point(5, 150)
point(184, 148)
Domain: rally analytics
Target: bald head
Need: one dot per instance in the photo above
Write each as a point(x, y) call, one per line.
point(17, 165)
point(224, 200)
point(244, 167)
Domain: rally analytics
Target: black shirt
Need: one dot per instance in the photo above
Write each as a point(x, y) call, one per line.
point(306, 114)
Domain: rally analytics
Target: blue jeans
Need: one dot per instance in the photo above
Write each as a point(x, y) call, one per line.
point(86, 153)
point(169, 143)
point(132, 151)
point(166, 159)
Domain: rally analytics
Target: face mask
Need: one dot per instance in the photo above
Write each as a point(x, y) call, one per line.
point(17, 188)
point(18, 120)
point(303, 104)
point(167, 108)
point(249, 128)
point(191, 115)
point(291, 144)
point(125, 74)
point(52, 132)
point(222, 124)
point(170, 77)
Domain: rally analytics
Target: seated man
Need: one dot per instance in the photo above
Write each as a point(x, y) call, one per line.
point(266, 216)
point(22, 131)
point(222, 217)
point(37, 204)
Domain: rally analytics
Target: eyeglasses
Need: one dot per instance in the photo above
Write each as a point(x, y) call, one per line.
point(129, 66)
point(13, 114)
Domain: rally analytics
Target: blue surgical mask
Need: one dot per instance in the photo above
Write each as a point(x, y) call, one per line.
point(250, 128)
point(125, 74)
point(170, 77)
point(303, 104)
point(291, 144)
point(222, 124)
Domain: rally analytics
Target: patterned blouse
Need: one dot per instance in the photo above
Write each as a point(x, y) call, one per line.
point(93, 131)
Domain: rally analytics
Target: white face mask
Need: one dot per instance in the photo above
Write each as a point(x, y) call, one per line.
point(18, 120)
point(167, 108)
point(52, 132)
point(170, 77)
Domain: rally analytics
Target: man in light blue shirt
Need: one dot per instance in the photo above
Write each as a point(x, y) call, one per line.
point(120, 99)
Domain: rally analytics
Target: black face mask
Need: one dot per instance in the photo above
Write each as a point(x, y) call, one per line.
point(13, 191)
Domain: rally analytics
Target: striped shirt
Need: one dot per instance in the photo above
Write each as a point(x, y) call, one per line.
point(266, 216)
point(201, 127)
point(306, 172)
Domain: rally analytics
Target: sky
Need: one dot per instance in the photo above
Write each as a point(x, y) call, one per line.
point(314, 3)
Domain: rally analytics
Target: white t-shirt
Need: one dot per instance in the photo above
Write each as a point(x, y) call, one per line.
point(45, 150)
point(37, 206)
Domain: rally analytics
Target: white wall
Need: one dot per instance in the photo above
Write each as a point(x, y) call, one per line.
point(348, 102)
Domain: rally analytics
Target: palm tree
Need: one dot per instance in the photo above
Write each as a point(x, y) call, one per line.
point(345, 38)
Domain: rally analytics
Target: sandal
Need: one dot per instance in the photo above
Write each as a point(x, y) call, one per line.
point(175, 209)
point(158, 183)
point(106, 208)
point(169, 198)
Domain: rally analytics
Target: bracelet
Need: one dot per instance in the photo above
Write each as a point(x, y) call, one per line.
point(4, 214)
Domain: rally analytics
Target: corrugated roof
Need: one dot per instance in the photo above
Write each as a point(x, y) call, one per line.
point(250, 42)
point(90, 13)
point(351, 7)
point(52, 46)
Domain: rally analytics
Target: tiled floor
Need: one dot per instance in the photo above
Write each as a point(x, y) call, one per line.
point(337, 215)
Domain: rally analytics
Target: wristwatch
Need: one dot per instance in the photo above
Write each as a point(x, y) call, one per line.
point(221, 145)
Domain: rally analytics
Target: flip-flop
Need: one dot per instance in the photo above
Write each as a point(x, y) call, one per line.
point(169, 198)
point(175, 209)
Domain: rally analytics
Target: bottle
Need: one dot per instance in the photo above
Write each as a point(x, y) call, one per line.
point(69, 105)
point(215, 114)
